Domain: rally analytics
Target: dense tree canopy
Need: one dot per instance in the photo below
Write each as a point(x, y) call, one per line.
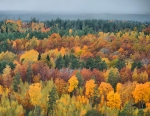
point(74, 68)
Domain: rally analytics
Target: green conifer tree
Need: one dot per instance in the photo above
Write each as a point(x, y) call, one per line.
point(53, 96)
point(29, 74)
point(16, 82)
point(113, 78)
point(80, 79)
point(59, 62)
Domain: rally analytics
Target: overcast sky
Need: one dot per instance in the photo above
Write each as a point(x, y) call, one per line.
point(78, 6)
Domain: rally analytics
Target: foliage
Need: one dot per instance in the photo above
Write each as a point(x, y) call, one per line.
point(80, 79)
point(35, 93)
point(73, 83)
point(113, 77)
point(59, 62)
point(16, 82)
point(31, 56)
point(53, 96)
point(29, 74)
point(127, 110)
point(74, 68)
point(104, 89)
point(141, 93)
point(96, 63)
point(120, 64)
point(113, 100)
point(4, 63)
point(93, 113)
point(90, 86)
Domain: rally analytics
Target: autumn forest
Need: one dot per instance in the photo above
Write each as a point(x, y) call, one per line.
point(74, 68)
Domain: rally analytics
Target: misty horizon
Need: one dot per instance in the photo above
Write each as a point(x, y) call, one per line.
point(78, 6)
point(62, 13)
point(138, 10)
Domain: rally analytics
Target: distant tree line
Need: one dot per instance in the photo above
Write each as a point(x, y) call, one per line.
point(93, 26)
point(10, 29)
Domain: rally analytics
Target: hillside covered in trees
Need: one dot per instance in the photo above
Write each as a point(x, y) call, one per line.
point(74, 68)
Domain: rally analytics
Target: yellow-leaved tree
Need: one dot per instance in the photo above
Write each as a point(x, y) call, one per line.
point(8, 56)
point(1, 90)
point(90, 86)
point(143, 77)
point(46, 88)
point(73, 83)
point(140, 78)
point(31, 56)
point(113, 100)
point(72, 106)
point(32, 43)
point(35, 93)
point(135, 75)
point(10, 109)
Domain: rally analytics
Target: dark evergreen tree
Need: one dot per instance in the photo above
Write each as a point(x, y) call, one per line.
point(127, 110)
point(53, 96)
point(113, 78)
point(120, 64)
point(82, 64)
point(134, 64)
point(33, 19)
point(74, 64)
point(139, 64)
point(102, 65)
point(4, 46)
point(80, 79)
point(93, 113)
point(66, 60)
point(90, 63)
point(16, 82)
point(4, 63)
point(29, 73)
point(48, 61)
point(72, 56)
point(99, 64)
point(140, 113)
point(59, 62)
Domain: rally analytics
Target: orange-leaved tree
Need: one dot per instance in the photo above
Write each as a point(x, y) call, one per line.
point(60, 85)
point(141, 94)
point(90, 86)
point(113, 100)
point(104, 89)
